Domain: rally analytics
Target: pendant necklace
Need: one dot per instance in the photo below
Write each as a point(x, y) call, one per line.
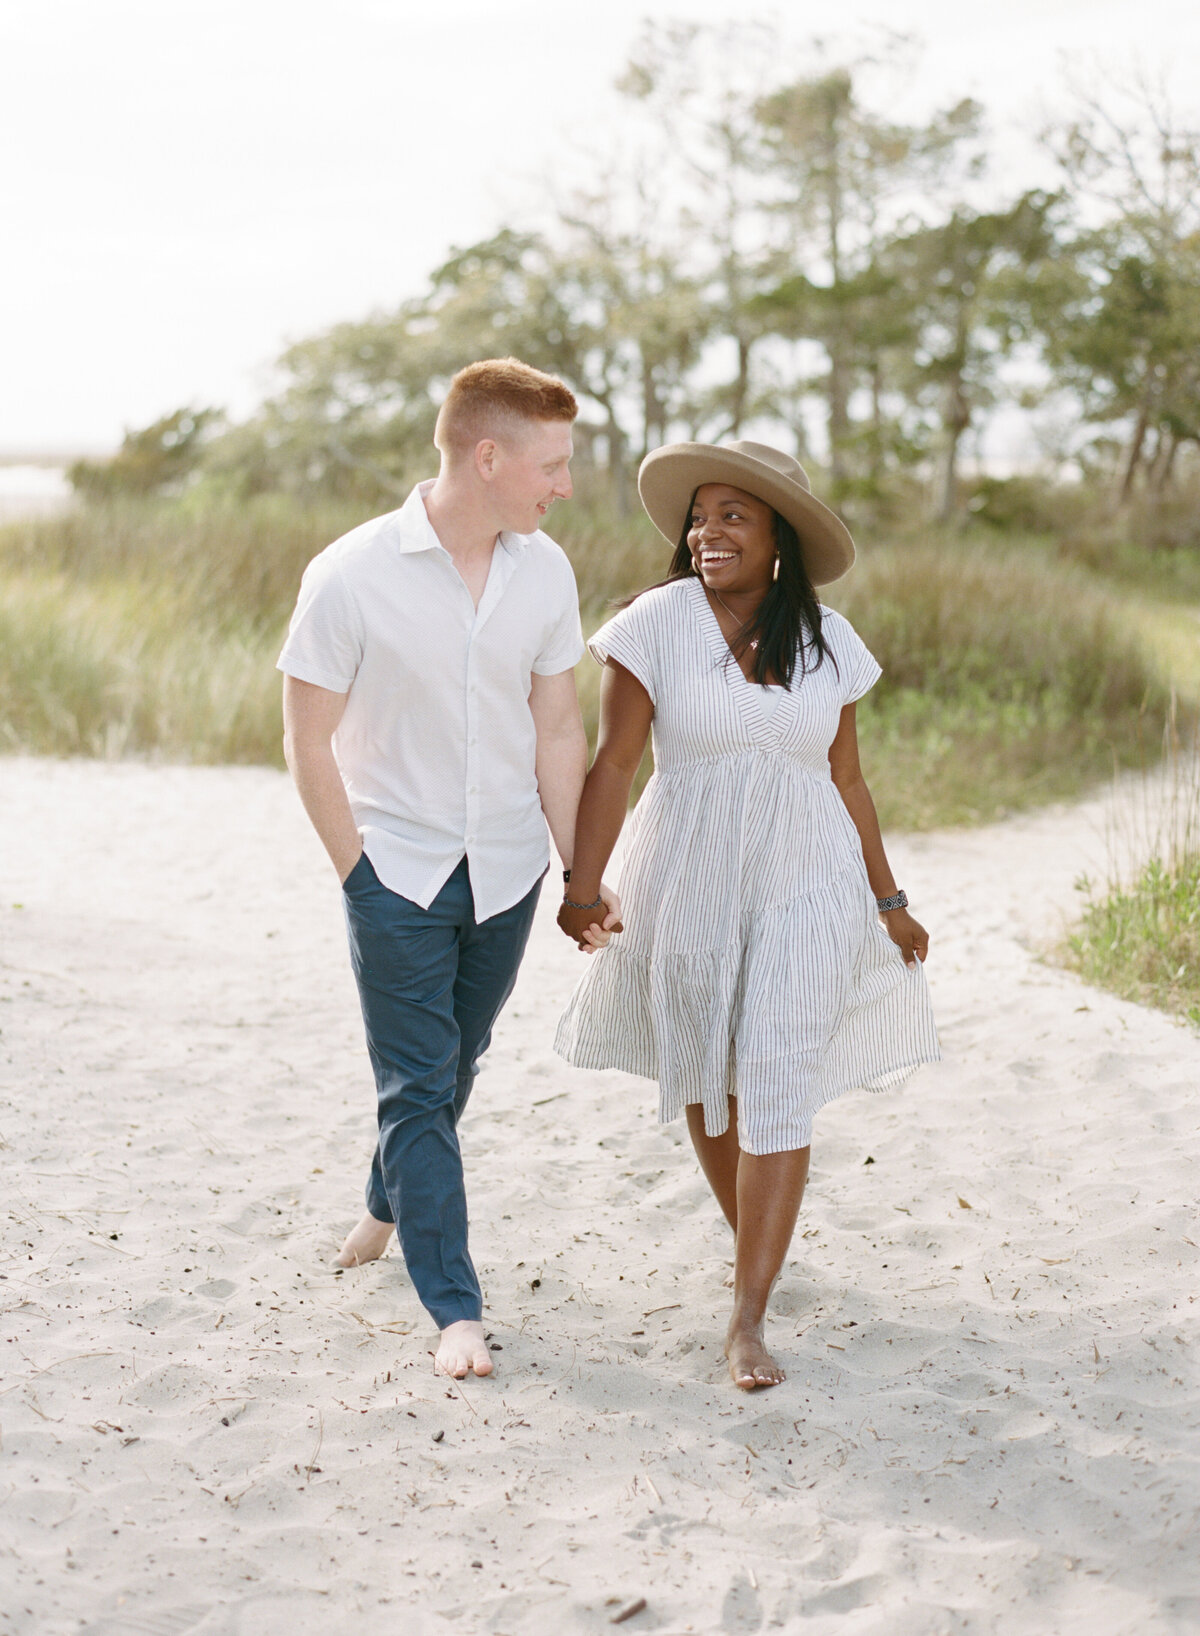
point(753, 643)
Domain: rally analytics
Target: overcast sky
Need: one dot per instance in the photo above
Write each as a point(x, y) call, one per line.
point(185, 188)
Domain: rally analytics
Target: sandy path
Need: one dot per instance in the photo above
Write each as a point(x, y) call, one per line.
point(992, 1418)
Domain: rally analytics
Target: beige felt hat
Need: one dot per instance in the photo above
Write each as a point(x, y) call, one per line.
point(671, 475)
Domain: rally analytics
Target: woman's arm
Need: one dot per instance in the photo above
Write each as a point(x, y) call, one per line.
point(626, 711)
point(908, 934)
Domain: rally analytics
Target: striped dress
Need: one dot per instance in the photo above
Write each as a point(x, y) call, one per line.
point(753, 963)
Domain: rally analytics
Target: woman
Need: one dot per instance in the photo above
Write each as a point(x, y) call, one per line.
point(754, 979)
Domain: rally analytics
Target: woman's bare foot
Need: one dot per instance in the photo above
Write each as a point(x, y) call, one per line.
point(750, 1364)
point(463, 1350)
point(367, 1242)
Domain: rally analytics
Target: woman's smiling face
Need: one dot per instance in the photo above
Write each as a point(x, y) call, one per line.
point(731, 536)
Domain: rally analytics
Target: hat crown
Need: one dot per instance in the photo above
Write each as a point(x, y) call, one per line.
point(785, 464)
point(669, 477)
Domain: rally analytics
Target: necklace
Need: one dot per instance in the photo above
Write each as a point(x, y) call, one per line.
point(740, 625)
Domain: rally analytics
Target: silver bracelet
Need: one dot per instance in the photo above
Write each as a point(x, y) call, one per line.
point(898, 901)
point(567, 904)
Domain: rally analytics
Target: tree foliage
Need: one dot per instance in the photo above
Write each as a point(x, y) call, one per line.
point(769, 251)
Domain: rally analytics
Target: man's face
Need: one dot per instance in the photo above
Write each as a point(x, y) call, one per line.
point(530, 471)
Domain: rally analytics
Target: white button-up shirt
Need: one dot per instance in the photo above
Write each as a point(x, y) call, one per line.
point(437, 744)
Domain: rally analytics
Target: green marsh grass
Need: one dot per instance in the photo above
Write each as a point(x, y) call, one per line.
point(152, 629)
point(1008, 681)
point(98, 670)
point(1139, 935)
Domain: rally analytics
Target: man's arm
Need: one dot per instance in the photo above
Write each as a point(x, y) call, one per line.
point(310, 718)
point(561, 763)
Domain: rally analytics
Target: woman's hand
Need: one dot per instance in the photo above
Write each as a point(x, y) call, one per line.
point(909, 936)
point(592, 928)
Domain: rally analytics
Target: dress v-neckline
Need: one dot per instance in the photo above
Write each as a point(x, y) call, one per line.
point(759, 724)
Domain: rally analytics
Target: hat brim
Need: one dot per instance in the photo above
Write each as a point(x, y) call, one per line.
point(670, 476)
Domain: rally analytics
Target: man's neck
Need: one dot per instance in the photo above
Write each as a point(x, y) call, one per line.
point(459, 521)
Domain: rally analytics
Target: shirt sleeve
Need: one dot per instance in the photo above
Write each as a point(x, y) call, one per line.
point(562, 648)
point(325, 638)
point(625, 638)
point(858, 669)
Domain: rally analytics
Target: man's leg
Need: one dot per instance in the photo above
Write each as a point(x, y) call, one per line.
point(488, 957)
point(405, 960)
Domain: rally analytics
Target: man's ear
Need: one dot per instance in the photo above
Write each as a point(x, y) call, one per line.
point(485, 458)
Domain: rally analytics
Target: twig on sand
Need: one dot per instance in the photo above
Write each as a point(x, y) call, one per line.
point(628, 1612)
point(311, 1466)
point(455, 1383)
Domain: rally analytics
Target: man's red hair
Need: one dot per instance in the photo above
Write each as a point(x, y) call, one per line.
point(498, 398)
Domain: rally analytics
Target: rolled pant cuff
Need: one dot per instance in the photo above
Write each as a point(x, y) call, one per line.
point(443, 1318)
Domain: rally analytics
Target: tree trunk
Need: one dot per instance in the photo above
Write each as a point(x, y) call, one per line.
point(876, 424)
point(839, 417)
point(618, 465)
point(1164, 461)
point(839, 372)
point(956, 417)
point(1134, 457)
point(741, 386)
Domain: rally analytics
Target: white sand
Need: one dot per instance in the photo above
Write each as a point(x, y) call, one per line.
point(991, 1420)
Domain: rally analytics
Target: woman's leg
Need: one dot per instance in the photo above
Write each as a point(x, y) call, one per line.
point(770, 1187)
point(760, 1196)
point(718, 1156)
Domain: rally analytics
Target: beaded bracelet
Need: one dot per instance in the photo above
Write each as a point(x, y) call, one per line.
point(898, 901)
point(567, 904)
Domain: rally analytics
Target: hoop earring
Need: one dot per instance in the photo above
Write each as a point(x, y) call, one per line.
point(775, 573)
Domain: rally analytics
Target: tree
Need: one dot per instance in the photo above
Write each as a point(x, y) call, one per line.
point(158, 459)
point(837, 165)
point(356, 411)
point(960, 281)
point(700, 85)
point(1124, 327)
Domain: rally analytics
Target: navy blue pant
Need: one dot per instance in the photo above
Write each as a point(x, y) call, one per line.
point(432, 983)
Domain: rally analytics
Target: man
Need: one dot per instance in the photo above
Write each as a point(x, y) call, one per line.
point(432, 728)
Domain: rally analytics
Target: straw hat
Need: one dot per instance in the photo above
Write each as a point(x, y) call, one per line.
point(671, 475)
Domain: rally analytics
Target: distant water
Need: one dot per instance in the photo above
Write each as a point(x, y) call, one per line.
point(31, 491)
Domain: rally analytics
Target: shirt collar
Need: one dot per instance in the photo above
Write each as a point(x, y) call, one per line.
point(416, 533)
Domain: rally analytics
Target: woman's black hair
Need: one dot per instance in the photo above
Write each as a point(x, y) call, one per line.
point(787, 625)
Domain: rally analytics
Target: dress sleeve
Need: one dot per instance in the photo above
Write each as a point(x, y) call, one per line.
point(858, 669)
point(627, 638)
point(325, 639)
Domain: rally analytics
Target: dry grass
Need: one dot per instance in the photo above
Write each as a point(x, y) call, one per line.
point(103, 670)
point(153, 629)
point(1008, 681)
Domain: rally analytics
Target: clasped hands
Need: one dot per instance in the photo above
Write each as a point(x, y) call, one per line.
point(592, 928)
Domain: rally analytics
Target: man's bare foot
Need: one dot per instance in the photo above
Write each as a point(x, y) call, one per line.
point(367, 1242)
point(750, 1364)
point(463, 1350)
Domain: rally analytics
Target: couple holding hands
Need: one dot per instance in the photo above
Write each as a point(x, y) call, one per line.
point(762, 961)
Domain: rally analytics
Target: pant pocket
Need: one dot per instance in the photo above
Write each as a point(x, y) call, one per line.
point(360, 875)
